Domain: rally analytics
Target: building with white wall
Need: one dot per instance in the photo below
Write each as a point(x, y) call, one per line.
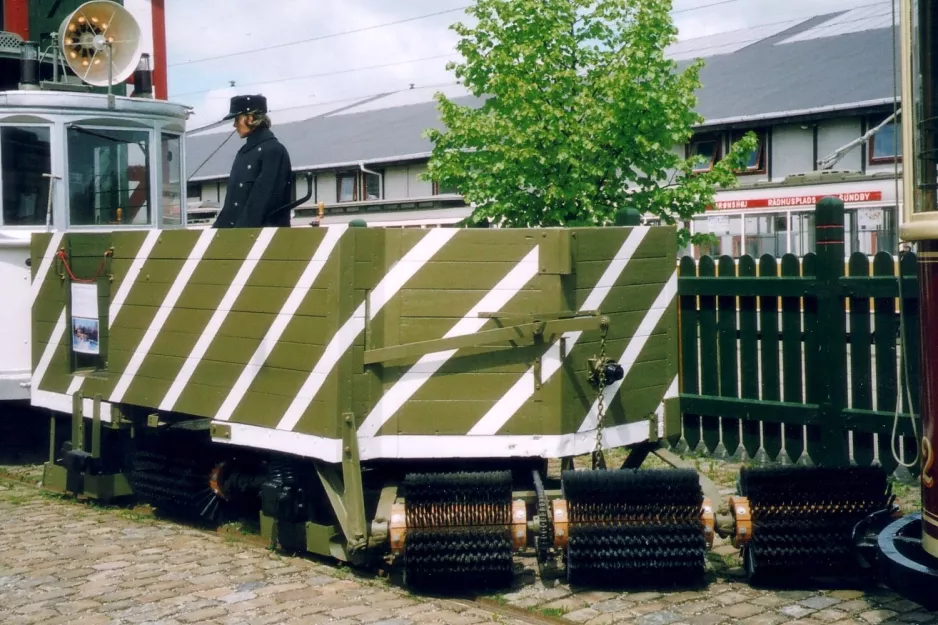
point(807, 87)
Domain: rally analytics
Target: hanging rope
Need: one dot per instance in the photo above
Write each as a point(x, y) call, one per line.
point(61, 255)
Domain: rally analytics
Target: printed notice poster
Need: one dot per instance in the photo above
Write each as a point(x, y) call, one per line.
point(85, 318)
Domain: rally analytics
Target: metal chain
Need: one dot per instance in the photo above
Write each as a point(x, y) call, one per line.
point(599, 461)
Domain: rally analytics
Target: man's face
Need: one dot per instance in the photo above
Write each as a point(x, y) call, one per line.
point(241, 125)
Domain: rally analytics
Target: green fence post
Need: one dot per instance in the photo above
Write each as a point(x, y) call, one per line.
point(831, 443)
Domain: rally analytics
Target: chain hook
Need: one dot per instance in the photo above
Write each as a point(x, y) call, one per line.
point(599, 459)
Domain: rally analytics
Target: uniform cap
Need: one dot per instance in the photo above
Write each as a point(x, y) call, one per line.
point(241, 104)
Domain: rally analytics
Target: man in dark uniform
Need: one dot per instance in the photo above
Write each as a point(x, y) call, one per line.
point(261, 179)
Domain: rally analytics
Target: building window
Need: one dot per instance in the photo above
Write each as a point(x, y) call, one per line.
point(444, 190)
point(886, 143)
point(353, 186)
point(372, 184)
point(25, 155)
point(194, 191)
point(346, 187)
point(709, 149)
point(756, 164)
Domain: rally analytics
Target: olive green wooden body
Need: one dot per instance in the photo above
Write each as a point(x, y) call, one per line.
point(276, 334)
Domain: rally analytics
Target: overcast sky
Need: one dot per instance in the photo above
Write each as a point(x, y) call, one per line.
point(418, 48)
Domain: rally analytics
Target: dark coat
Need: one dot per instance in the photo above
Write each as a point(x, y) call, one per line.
point(261, 181)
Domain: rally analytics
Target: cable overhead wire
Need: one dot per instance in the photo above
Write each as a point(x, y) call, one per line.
point(322, 74)
point(318, 38)
point(356, 99)
point(384, 25)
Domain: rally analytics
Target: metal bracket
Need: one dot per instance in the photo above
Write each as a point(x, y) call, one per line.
point(524, 332)
point(96, 428)
point(345, 492)
point(220, 430)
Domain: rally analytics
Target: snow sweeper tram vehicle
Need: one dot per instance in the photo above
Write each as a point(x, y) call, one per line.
point(375, 392)
point(372, 392)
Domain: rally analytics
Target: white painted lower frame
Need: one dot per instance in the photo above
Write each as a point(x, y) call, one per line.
point(393, 447)
point(447, 446)
point(60, 402)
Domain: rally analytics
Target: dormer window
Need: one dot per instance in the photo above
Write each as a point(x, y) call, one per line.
point(886, 144)
point(756, 163)
point(708, 151)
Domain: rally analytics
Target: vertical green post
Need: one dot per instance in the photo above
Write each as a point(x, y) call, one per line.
point(78, 421)
point(832, 331)
point(51, 437)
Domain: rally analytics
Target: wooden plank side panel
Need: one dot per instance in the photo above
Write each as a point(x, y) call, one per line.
point(58, 376)
point(602, 244)
point(201, 400)
point(861, 362)
point(428, 311)
point(671, 406)
point(640, 318)
point(638, 272)
point(196, 294)
point(769, 363)
point(323, 415)
point(38, 244)
point(248, 326)
point(690, 361)
point(482, 246)
point(296, 356)
point(749, 358)
point(729, 348)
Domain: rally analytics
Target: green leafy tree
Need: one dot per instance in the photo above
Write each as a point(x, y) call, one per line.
point(581, 116)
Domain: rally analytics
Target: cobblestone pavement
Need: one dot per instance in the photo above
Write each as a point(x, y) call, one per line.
point(67, 562)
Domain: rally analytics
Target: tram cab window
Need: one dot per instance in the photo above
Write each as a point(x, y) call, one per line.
point(171, 195)
point(873, 230)
point(767, 234)
point(25, 155)
point(727, 235)
point(803, 233)
point(108, 176)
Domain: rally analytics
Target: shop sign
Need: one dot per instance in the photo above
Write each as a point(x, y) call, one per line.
point(799, 200)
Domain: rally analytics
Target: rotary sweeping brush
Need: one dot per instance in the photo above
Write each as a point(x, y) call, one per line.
point(632, 527)
point(458, 527)
point(800, 521)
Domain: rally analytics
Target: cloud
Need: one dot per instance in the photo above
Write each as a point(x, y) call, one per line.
point(222, 28)
point(211, 30)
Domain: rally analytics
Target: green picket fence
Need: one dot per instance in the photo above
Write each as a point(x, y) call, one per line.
point(797, 361)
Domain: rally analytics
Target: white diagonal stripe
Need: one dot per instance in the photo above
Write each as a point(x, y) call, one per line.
point(671, 393)
point(169, 302)
point(429, 364)
point(54, 339)
point(634, 348)
point(75, 384)
point(221, 313)
point(128, 282)
point(47, 259)
point(389, 285)
point(277, 328)
point(522, 390)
